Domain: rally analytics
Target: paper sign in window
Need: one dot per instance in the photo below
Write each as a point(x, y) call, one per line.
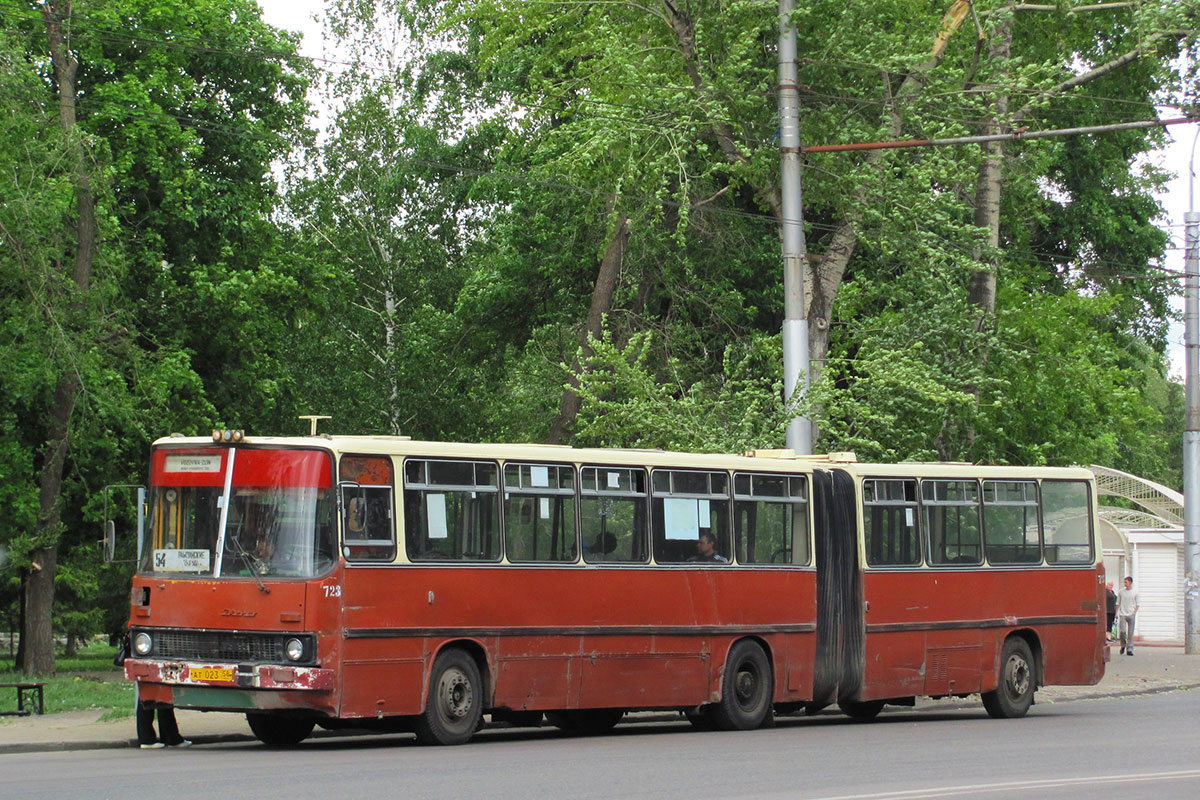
point(435, 509)
point(544, 507)
point(614, 480)
point(539, 476)
point(681, 518)
point(182, 560)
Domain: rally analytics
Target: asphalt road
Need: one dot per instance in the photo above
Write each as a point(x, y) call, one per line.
point(1135, 747)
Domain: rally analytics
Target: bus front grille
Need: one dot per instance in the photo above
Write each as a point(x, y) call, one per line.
point(192, 645)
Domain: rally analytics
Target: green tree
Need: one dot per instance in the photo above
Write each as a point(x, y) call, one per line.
point(624, 212)
point(138, 172)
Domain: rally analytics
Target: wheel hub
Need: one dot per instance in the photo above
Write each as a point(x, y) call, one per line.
point(457, 694)
point(745, 685)
point(1017, 676)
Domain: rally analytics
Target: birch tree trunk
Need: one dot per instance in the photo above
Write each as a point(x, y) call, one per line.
point(982, 291)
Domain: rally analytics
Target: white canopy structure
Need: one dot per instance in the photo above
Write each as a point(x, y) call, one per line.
point(1145, 542)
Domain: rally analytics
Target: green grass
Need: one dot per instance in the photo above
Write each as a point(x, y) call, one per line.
point(87, 680)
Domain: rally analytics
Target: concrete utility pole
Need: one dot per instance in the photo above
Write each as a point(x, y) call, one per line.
point(795, 309)
point(1191, 427)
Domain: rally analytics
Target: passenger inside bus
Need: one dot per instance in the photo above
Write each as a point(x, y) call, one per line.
point(602, 548)
point(706, 550)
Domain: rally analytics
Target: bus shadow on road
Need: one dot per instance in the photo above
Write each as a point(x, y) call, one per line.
point(662, 725)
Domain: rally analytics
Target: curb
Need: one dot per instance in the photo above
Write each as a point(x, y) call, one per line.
point(235, 738)
point(1128, 693)
point(112, 744)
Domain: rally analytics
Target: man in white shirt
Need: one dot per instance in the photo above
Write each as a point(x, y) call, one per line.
point(1127, 606)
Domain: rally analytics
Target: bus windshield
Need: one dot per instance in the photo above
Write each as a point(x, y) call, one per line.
point(228, 512)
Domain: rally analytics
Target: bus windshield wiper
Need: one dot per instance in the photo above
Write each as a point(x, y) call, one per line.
point(253, 563)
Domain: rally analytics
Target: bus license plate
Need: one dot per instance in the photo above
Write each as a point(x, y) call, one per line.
point(211, 674)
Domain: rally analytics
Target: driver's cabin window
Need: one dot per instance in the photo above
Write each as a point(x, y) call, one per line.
point(368, 524)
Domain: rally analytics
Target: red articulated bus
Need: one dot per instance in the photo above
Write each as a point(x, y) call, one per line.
point(398, 585)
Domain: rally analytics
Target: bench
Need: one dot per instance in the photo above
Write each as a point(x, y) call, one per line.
point(22, 688)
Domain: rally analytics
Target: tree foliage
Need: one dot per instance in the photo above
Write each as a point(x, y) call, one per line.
point(160, 122)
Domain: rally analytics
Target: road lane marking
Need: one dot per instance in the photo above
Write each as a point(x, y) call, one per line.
point(1018, 786)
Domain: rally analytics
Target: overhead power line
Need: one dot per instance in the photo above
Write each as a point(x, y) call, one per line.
point(1000, 137)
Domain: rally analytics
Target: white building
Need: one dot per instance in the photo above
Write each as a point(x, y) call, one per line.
point(1146, 543)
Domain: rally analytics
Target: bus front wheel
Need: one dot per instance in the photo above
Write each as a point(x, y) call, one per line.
point(455, 703)
point(747, 690)
point(277, 731)
point(1018, 681)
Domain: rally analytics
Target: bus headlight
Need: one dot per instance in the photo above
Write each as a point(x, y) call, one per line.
point(142, 644)
point(293, 649)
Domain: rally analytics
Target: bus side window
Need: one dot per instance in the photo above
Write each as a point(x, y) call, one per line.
point(612, 513)
point(1067, 520)
point(890, 522)
point(1010, 522)
point(950, 510)
point(539, 512)
point(451, 510)
point(688, 505)
point(771, 519)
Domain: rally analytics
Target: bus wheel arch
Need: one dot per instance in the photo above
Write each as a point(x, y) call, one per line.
point(478, 653)
point(1018, 677)
point(456, 695)
point(747, 687)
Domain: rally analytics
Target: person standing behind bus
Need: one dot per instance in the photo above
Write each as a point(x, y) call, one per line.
point(1110, 598)
point(1127, 607)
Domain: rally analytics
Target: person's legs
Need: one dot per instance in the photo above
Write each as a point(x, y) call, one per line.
point(1129, 645)
point(168, 728)
point(145, 725)
point(1123, 628)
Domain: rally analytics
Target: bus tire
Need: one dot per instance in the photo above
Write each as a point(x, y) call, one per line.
point(747, 689)
point(1018, 681)
point(588, 721)
point(862, 710)
point(276, 731)
point(454, 707)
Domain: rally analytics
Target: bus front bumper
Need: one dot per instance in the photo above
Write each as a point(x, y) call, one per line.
point(233, 676)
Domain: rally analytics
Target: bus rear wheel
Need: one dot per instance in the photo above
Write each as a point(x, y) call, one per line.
point(747, 690)
point(586, 720)
point(277, 731)
point(455, 703)
point(1018, 681)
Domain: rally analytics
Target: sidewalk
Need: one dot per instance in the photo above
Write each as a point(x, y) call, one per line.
point(1153, 669)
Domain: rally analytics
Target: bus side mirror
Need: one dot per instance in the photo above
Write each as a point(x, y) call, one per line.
point(110, 541)
point(110, 528)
